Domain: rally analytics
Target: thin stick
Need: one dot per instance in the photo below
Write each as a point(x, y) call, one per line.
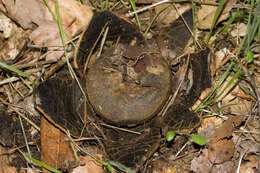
point(162, 2)
point(103, 41)
point(92, 49)
point(182, 148)
point(24, 117)
point(8, 80)
point(147, 7)
point(122, 129)
point(25, 138)
point(240, 160)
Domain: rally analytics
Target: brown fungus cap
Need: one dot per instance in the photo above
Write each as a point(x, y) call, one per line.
point(128, 91)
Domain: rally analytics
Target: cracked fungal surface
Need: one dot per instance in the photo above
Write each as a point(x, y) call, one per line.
point(127, 90)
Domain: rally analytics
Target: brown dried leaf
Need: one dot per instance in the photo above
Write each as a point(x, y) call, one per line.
point(225, 131)
point(4, 162)
point(222, 132)
point(246, 144)
point(206, 122)
point(239, 106)
point(201, 164)
point(250, 164)
point(221, 151)
point(227, 167)
point(254, 127)
point(240, 30)
point(221, 147)
point(5, 26)
point(56, 151)
point(170, 14)
point(207, 12)
point(12, 41)
point(74, 17)
point(25, 12)
point(89, 165)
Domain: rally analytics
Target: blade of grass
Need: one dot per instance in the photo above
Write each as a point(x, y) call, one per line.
point(209, 98)
point(154, 18)
point(234, 16)
point(8, 67)
point(132, 2)
point(120, 166)
point(41, 164)
point(232, 80)
point(63, 35)
point(55, 19)
point(83, 2)
point(252, 26)
point(26, 84)
point(94, 4)
point(105, 6)
point(215, 19)
point(50, 10)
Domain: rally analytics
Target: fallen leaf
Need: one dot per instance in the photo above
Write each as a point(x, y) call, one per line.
point(221, 147)
point(89, 165)
point(170, 14)
point(240, 30)
point(5, 26)
point(207, 12)
point(221, 151)
point(225, 131)
point(227, 167)
point(249, 164)
point(32, 11)
point(201, 164)
point(208, 121)
point(254, 127)
point(12, 43)
point(7, 129)
point(4, 162)
point(56, 151)
point(207, 131)
point(229, 97)
point(35, 14)
point(246, 145)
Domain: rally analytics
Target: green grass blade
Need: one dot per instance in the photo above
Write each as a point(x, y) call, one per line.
point(63, 35)
point(83, 2)
point(41, 164)
point(215, 19)
point(232, 80)
point(252, 27)
point(105, 6)
point(132, 2)
point(26, 84)
point(8, 67)
point(234, 16)
point(120, 166)
point(210, 98)
point(50, 10)
point(154, 18)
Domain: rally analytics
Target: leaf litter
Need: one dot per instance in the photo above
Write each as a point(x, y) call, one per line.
point(226, 137)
